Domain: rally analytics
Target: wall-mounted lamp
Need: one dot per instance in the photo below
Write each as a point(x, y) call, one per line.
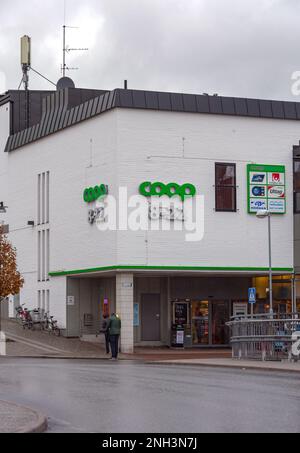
point(30, 223)
point(2, 207)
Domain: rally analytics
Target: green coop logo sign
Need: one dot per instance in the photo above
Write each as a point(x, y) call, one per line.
point(92, 194)
point(159, 189)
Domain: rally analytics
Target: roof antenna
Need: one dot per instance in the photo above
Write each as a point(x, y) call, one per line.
point(26, 63)
point(67, 49)
point(25, 60)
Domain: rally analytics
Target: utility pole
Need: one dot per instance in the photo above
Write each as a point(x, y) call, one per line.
point(2, 211)
point(262, 215)
point(26, 63)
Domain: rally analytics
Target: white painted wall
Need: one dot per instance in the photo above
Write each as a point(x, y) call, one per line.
point(76, 158)
point(151, 149)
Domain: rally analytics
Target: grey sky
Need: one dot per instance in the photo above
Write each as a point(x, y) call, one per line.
point(232, 47)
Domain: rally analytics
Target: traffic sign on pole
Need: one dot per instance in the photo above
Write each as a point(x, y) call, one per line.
point(252, 296)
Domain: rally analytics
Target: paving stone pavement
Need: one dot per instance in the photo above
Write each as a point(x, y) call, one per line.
point(40, 344)
point(25, 343)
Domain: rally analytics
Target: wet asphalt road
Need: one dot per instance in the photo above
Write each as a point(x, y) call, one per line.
point(105, 397)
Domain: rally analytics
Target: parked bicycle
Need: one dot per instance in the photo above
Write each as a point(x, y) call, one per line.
point(51, 325)
point(19, 312)
point(23, 316)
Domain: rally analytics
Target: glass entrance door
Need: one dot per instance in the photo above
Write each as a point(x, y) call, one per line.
point(200, 323)
point(219, 318)
point(208, 320)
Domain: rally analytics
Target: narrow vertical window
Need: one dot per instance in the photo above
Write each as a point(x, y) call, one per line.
point(226, 187)
point(43, 197)
point(43, 300)
point(47, 196)
point(47, 254)
point(39, 199)
point(48, 301)
point(39, 256)
point(43, 256)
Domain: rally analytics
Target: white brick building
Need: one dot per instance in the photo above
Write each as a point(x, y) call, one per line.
point(84, 138)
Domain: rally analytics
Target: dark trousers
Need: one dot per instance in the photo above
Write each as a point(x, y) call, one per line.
point(107, 342)
point(114, 344)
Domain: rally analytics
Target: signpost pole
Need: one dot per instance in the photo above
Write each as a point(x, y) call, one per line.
point(252, 300)
point(270, 265)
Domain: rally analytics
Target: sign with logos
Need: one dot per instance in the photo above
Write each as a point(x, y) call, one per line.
point(266, 188)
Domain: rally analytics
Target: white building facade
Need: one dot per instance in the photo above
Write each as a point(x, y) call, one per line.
point(77, 268)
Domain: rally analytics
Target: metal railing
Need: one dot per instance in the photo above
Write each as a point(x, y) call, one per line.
point(264, 337)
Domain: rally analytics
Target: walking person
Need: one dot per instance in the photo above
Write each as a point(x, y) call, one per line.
point(105, 331)
point(114, 327)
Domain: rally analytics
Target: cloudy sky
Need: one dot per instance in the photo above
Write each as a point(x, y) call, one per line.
point(232, 47)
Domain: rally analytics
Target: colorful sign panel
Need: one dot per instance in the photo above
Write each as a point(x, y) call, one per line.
point(266, 188)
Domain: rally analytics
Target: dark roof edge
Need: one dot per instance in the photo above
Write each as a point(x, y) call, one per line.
point(59, 118)
point(4, 99)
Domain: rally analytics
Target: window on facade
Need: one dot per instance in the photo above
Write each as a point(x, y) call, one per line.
point(297, 186)
point(226, 187)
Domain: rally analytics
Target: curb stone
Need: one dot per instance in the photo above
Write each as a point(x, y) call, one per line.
point(40, 425)
point(249, 366)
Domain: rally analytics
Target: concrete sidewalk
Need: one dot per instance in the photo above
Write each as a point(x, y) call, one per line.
point(284, 366)
point(19, 419)
point(24, 343)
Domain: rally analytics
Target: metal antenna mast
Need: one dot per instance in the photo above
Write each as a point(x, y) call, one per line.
point(67, 49)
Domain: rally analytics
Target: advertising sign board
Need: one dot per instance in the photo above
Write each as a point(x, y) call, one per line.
point(266, 188)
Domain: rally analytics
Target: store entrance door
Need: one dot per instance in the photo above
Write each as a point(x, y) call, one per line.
point(150, 312)
point(219, 317)
point(200, 323)
point(208, 321)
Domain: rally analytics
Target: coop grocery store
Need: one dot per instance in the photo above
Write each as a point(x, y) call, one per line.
point(144, 203)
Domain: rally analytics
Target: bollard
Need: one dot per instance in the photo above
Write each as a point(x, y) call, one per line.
point(2, 344)
point(296, 345)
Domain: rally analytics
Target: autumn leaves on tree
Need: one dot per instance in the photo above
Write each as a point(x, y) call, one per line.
point(10, 279)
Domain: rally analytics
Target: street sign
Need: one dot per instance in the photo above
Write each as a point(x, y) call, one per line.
point(252, 296)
